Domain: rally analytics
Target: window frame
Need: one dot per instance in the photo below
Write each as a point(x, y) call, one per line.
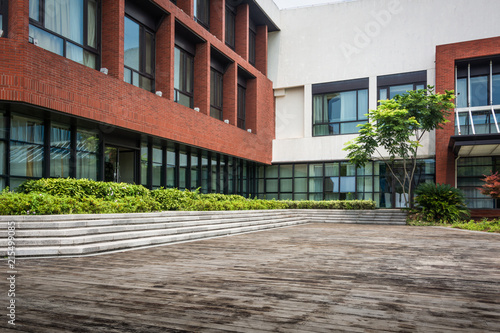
point(40, 24)
point(230, 30)
point(241, 107)
point(486, 117)
point(143, 31)
point(4, 13)
point(216, 90)
point(252, 36)
point(331, 123)
point(182, 72)
point(202, 12)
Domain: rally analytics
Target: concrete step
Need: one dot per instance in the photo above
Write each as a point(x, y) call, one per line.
point(142, 242)
point(98, 236)
point(57, 235)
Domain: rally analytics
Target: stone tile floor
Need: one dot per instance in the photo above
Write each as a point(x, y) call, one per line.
point(307, 278)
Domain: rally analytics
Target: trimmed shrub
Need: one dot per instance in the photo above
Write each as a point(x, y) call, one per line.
point(331, 204)
point(439, 202)
point(80, 188)
point(47, 204)
point(83, 196)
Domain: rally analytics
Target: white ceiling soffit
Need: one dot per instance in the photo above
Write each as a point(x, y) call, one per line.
point(479, 150)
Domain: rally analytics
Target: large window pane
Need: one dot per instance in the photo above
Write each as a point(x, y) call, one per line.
point(46, 40)
point(462, 93)
point(92, 23)
point(65, 17)
point(26, 159)
point(35, 10)
point(131, 43)
point(342, 106)
point(479, 90)
point(400, 90)
point(362, 104)
point(87, 143)
point(2, 158)
point(496, 89)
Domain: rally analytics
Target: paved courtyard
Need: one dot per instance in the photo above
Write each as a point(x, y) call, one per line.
point(308, 278)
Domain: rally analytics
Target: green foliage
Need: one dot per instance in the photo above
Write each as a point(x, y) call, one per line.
point(491, 186)
point(331, 204)
point(83, 196)
point(81, 188)
point(439, 203)
point(485, 225)
point(47, 204)
point(397, 127)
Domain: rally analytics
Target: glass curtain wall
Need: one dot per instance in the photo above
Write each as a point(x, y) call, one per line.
point(337, 180)
point(478, 97)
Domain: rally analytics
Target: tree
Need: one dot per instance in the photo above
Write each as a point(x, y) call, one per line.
point(491, 186)
point(397, 127)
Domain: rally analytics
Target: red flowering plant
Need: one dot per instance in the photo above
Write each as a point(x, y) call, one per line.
point(491, 186)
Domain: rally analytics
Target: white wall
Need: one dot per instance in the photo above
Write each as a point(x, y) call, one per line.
point(358, 39)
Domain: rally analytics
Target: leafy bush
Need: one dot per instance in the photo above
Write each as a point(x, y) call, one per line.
point(80, 188)
point(439, 202)
point(331, 204)
point(47, 204)
point(485, 225)
point(83, 196)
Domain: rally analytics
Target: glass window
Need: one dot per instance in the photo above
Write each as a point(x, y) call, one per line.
point(251, 47)
point(183, 161)
point(170, 167)
point(496, 89)
point(183, 77)
point(230, 27)
point(66, 27)
point(60, 150)
point(339, 113)
point(216, 94)
point(194, 171)
point(3, 19)
point(479, 91)
point(139, 55)
point(241, 107)
point(87, 144)
point(461, 93)
point(157, 166)
point(26, 147)
point(202, 12)
point(144, 164)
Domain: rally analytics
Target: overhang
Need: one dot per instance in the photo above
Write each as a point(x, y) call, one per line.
point(475, 145)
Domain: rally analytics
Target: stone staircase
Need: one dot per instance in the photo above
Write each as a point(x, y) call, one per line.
point(69, 235)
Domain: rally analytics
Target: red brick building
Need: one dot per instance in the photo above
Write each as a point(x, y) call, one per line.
point(163, 93)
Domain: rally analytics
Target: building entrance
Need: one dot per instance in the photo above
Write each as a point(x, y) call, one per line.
point(119, 164)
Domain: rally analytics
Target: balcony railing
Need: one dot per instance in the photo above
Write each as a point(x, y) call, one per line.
point(477, 120)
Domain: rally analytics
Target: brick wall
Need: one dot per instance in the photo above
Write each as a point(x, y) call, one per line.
point(445, 80)
point(33, 75)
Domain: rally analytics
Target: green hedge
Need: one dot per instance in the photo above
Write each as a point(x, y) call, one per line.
point(83, 196)
point(82, 188)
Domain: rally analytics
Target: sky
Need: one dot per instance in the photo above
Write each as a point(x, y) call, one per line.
point(301, 3)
